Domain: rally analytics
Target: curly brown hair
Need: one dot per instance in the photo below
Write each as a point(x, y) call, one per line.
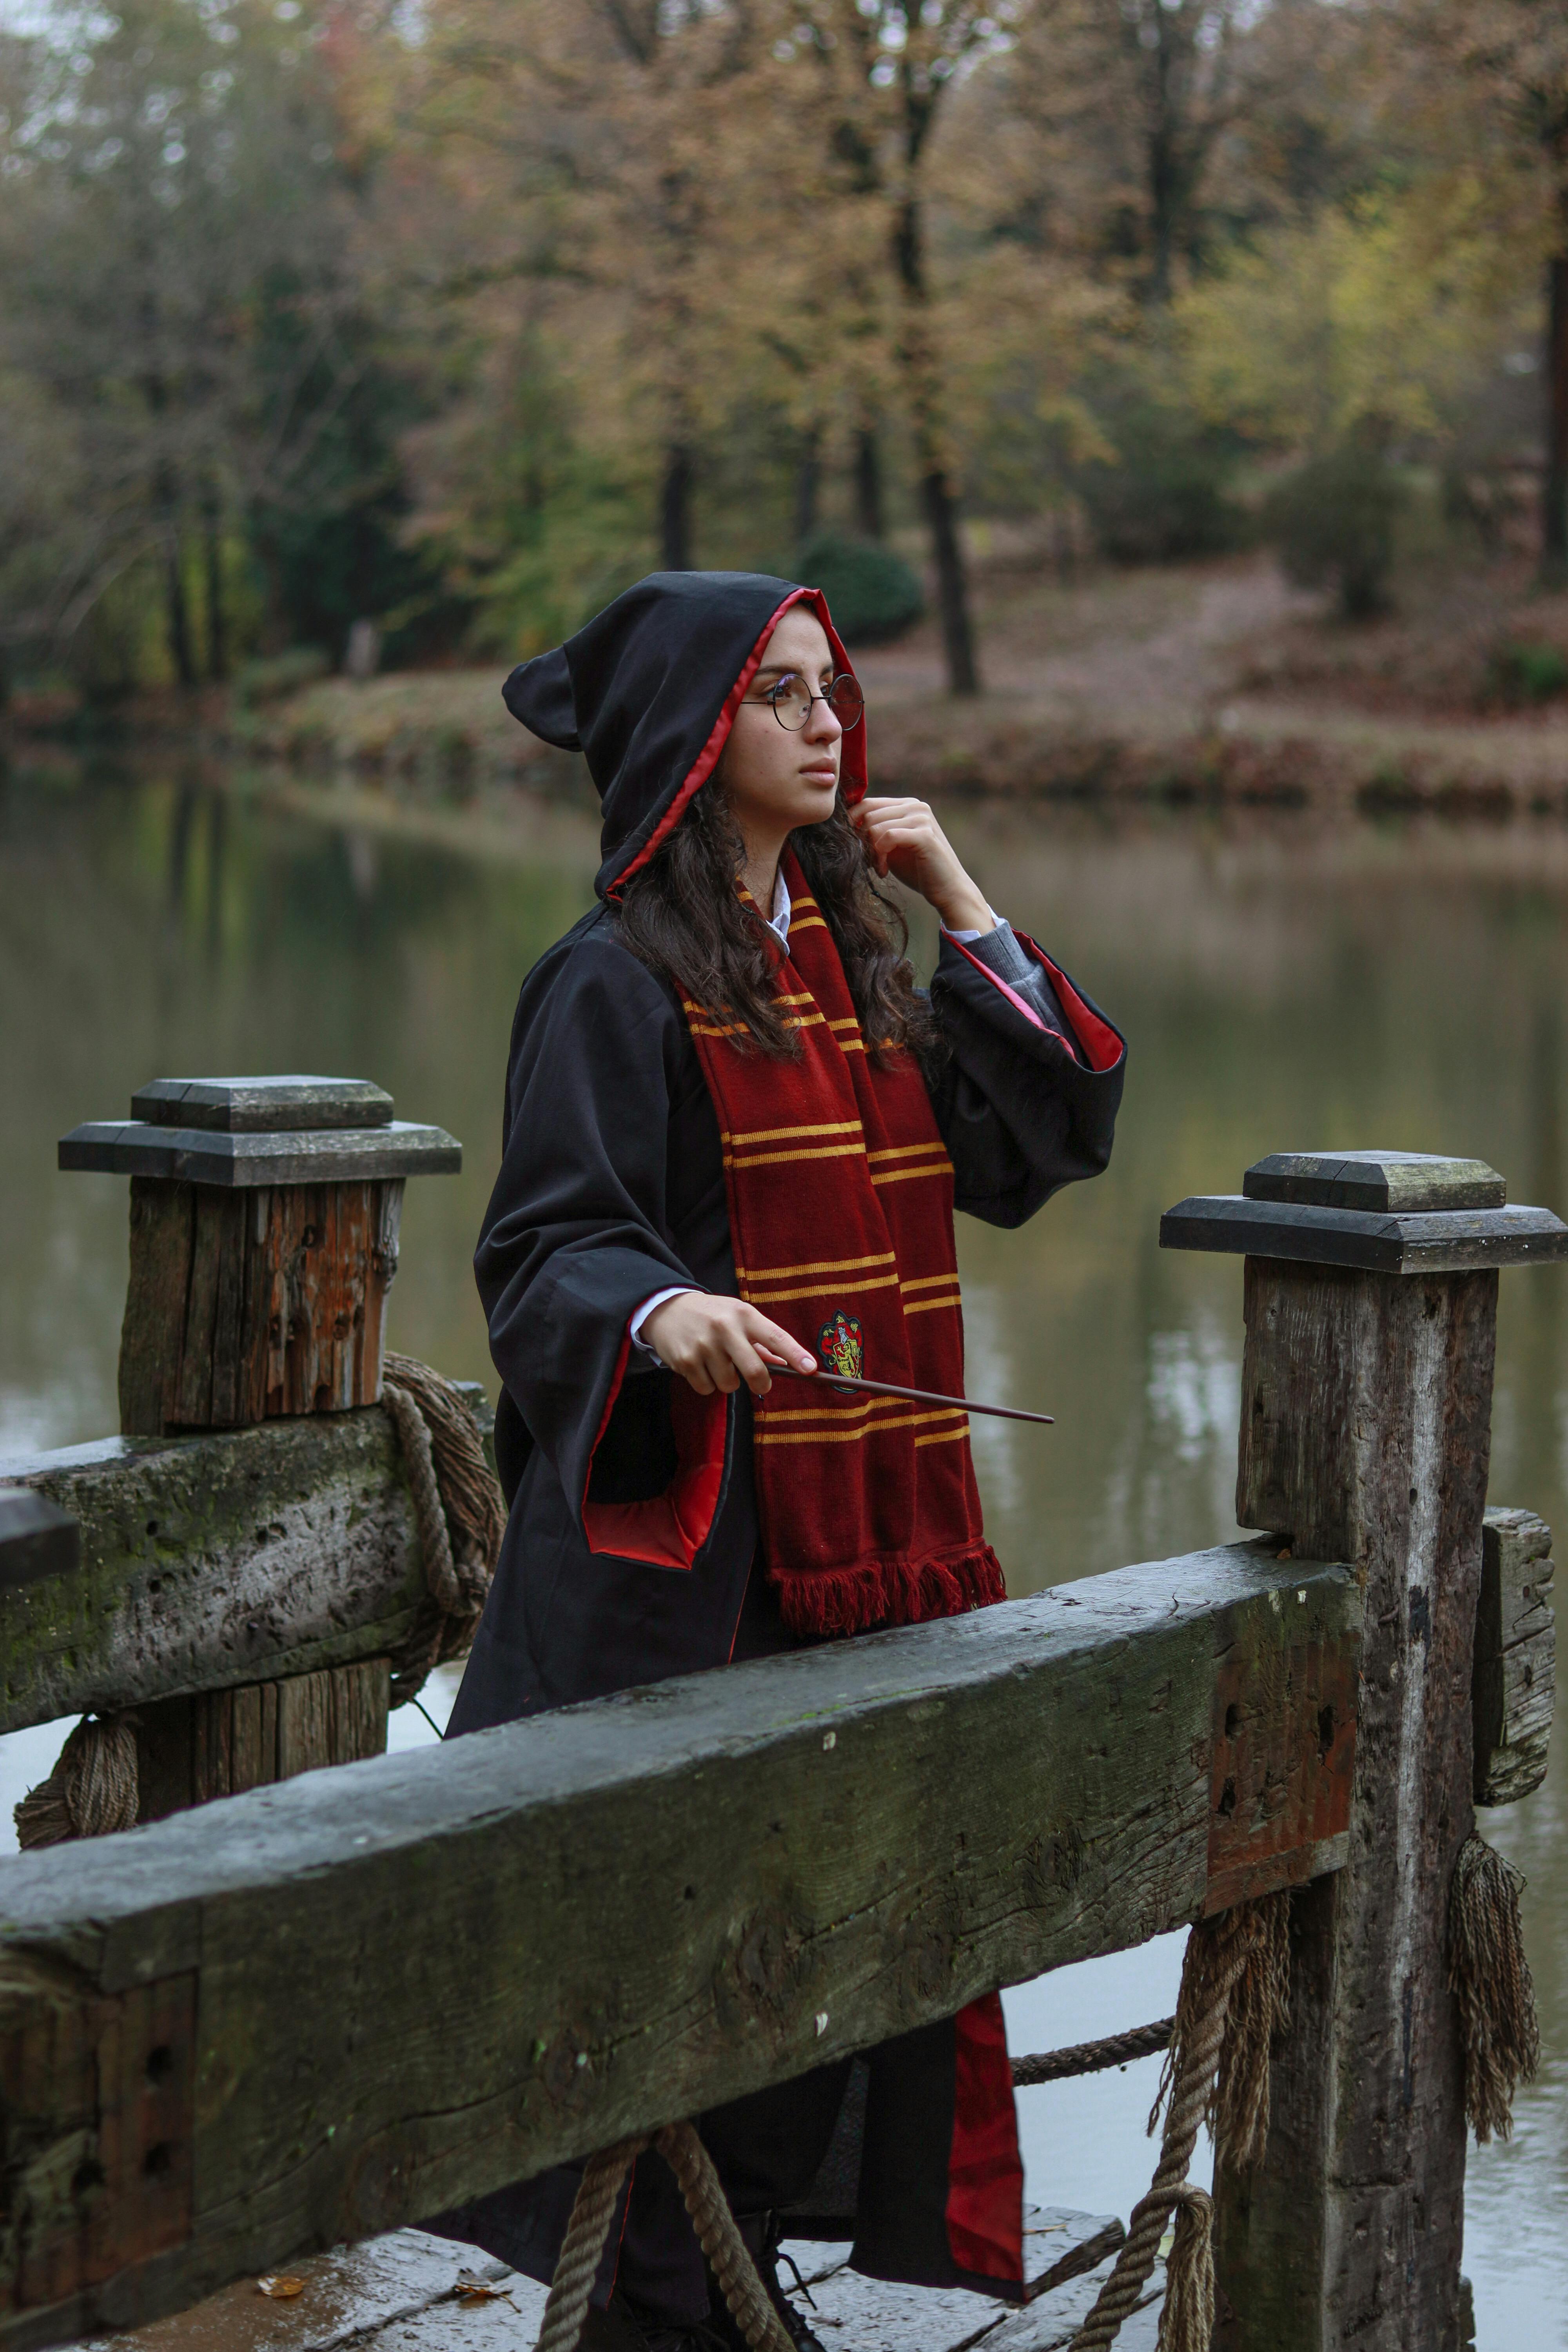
point(684, 917)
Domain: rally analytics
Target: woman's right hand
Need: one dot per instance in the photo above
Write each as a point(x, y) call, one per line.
point(716, 1343)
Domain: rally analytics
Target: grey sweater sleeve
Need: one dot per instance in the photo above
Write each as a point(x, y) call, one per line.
point(1000, 952)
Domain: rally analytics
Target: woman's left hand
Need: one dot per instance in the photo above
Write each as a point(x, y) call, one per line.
point(904, 839)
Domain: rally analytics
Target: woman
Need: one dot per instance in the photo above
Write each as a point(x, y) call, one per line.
point(735, 1137)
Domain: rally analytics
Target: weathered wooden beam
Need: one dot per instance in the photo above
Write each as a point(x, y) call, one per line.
point(1371, 1311)
point(414, 1979)
point(211, 1561)
point(36, 1540)
point(1515, 1678)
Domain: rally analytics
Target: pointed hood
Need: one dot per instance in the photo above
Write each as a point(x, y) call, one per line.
point(647, 692)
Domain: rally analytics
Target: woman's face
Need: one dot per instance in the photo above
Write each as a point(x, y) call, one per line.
point(773, 777)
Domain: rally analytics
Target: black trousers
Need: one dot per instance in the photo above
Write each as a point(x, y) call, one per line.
point(767, 2149)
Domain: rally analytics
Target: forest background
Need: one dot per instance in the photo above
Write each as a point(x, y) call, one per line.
point(448, 319)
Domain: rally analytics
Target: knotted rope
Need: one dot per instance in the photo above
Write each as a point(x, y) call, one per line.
point(1489, 1978)
point(1235, 1994)
point(92, 1791)
point(718, 2233)
point(458, 1509)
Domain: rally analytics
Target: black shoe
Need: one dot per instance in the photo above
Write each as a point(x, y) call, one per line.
point(762, 2236)
point(623, 2327)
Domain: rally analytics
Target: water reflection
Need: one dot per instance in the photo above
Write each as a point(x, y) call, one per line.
point(1282, 987)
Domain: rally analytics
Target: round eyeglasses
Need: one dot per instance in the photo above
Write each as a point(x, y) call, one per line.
point(792, 699)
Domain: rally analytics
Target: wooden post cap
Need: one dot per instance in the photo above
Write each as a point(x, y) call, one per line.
point(264, 1130)
point(1388, 1212)
point(36, 1538)
point(285, 1105)
point(1402, 1180)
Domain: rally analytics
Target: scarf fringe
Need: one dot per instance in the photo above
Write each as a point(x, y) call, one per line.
point(828, 1600)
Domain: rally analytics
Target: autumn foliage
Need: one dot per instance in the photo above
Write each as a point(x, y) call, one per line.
point(455, 316)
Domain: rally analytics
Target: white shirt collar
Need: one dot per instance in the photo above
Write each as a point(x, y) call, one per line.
point(778, 921)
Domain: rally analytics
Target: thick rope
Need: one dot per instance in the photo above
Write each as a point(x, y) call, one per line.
point(1489, 1978)
point(718, 2233)
point(458, 1507)
point(582, 2248)
point(473, 1499)
point(92, 1791)
point(419, 1461)
point(1234, 1988)
point(1093, 2057)
point(1186, 2319)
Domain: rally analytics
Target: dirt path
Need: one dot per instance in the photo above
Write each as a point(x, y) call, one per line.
point(1213, 682)
point(1148, 652)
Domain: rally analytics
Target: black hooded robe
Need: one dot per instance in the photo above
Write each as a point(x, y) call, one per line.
point(612, 1188)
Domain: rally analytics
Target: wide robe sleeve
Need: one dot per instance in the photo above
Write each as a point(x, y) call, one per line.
point(578, 1235)
point(1027, 1098)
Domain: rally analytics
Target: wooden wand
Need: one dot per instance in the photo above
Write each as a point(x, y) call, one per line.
point(915, 1396)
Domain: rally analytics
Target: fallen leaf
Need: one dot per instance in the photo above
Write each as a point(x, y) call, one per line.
point(281, 2285)
point(472, 2288)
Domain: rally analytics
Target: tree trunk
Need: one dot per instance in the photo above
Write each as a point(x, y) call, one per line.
point(952, 588)
point(176, 612)
point(919, 368)
point(807, 483)
point(675, 508)
point(1162, 202)
point(212, 554)
point(1554, 509)
point(867, 483)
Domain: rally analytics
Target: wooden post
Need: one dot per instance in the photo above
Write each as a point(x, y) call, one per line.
point(264, 1216)
point(264, 1220)
point(1371, 1306)
point(215, 1743)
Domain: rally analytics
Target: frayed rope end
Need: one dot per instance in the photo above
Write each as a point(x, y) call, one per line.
point(1489, 1979)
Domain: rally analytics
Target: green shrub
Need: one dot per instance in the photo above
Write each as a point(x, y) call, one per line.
point(282, 674)
point(1165, 495)
point(872, 594)
point(1333, 522)
point(1518, 673)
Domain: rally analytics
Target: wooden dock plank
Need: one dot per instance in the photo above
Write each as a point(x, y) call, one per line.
point(401, 2293)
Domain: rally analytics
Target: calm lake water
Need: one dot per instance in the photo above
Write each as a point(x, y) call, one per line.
point(1282, 988)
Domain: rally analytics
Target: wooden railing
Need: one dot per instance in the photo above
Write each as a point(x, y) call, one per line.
point(330, 2006)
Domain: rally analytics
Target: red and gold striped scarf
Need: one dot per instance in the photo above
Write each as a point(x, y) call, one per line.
point(841, 1215)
